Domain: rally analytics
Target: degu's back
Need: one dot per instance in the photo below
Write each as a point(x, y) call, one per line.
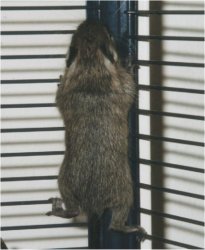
point(94, 98)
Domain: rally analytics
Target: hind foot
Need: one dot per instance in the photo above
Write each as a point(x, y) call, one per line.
point(141, 234)
point(57, 209)
point(140, 231)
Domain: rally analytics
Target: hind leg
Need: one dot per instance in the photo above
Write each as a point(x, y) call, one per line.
point(71, 205)
point(119, 218)
point(118, 222)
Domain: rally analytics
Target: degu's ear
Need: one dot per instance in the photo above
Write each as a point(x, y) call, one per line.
point(109, 52)
point(71, 56)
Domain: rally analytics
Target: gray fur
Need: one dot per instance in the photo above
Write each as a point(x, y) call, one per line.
point(94, 99)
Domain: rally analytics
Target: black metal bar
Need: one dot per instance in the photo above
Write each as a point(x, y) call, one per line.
point(139, 37)
point(169, 38)
point(24, 154)
point(90, 7)
point(168, 63)
point(63, 7)
point(139, 62)
point(68, 248)
point(171, 242)
point(171, 216)
point(22, 130)
point(177, 115)
point(132, 23)
point(30, 81)
point(28, 105)
point(166, 12)
point(171, 165)
point(172, 89)
point(167, 139)
point(172, 191)
point(36, 32)
point(29, 178)
point(28, 227)
point(93, 10)
point(19, 57)
point(25, 203)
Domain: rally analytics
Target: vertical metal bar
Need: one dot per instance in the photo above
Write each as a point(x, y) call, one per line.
point(114, 15)
point(93, 233)
point(132, 28)
point(93, 10)
point(156, 103)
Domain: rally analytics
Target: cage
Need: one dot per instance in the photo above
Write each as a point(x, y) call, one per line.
point(164, 40)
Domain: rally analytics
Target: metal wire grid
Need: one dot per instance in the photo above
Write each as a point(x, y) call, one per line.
point(140, 111)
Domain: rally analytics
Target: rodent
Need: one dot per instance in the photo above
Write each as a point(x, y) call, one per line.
point(94, 98)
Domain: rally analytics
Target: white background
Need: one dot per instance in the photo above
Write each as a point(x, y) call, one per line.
point(54, 141)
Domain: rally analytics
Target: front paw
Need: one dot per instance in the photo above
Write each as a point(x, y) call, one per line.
point(61, 78)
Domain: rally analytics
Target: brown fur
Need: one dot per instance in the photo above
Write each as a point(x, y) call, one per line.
point(94, 98)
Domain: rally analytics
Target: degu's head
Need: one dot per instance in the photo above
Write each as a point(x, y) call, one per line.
point(92, 42)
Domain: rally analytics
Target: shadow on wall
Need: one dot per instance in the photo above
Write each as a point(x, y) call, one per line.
point(178, 128)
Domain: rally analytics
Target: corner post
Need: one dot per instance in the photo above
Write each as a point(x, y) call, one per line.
point(120, 18)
